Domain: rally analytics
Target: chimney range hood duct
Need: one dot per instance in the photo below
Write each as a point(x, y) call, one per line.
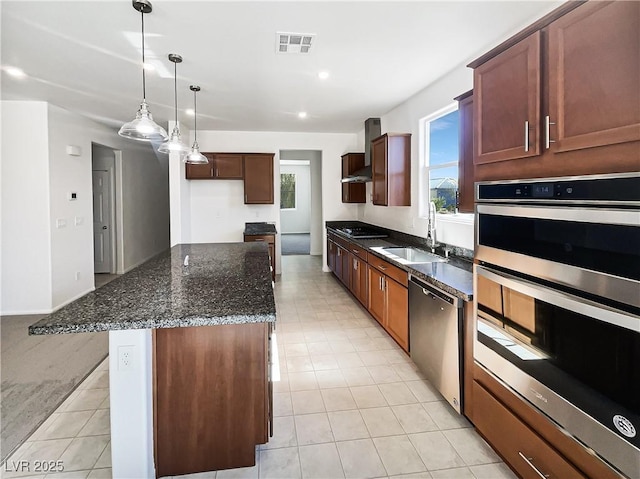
point(372, 130)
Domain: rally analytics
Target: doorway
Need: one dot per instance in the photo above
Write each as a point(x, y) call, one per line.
point(301, 202)
point(103, 161)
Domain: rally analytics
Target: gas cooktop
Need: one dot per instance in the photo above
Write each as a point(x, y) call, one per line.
point(362, 232)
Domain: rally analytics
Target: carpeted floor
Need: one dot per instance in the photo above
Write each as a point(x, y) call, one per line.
point(38, 373)
point(295, 243)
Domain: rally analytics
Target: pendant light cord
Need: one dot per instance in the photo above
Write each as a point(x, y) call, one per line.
point(175, 88)
point(144, 88)
point(195, 118)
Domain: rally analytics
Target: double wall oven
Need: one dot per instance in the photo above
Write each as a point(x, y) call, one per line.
point(557, 303)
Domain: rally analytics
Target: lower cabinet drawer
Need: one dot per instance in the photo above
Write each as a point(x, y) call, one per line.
point(521, 448)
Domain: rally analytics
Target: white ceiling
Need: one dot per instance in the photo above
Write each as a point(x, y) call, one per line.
point(81, 56)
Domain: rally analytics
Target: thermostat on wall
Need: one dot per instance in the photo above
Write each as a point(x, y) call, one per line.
point(73, 196)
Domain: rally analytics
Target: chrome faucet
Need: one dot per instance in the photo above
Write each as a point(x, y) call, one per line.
point(431, 233)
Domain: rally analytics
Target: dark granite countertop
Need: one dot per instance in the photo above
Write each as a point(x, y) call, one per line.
point(260, 229)
point(224, 283)
point(454, 277)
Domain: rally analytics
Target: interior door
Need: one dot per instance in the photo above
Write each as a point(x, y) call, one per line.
point(101, 222)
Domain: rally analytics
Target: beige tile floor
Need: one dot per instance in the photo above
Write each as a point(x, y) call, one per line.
point(348, 404)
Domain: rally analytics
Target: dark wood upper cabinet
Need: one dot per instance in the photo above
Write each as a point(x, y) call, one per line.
point(391, 169)
point(228, 166)
point(594, 76)
point(258, 179)
point(223, 166)
point(465, 147)
point(507, 103)
point(353, 192)
point(576, 78)
point(200, 172)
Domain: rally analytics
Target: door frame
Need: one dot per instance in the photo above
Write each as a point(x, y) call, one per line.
point(116, 215)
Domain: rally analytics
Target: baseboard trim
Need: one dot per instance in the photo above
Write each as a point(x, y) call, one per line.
point(26, 312)
point(71, 300)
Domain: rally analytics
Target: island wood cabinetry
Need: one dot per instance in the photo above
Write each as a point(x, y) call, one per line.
point(212, 396)
point(562, 97)
point(222, 166)
point(353, 192)
point(391, 169)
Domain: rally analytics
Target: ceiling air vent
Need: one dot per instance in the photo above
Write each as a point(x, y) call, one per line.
point(294, 42)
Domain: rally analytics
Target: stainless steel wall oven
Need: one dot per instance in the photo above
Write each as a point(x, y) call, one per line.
point(557, 303)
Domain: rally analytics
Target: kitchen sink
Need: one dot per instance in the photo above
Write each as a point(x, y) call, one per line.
point(410, 255)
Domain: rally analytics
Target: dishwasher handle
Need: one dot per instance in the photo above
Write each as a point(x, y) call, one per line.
point(435, 292)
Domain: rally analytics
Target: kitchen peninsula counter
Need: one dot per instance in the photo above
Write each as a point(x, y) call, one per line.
point(224, 283)
point(189, 358)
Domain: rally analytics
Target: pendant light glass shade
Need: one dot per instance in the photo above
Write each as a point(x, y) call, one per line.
point(175, 144)
point(194, 156)
point(143, 128)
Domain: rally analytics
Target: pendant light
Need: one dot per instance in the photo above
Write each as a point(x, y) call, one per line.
point(175, 144)
point(194, 156)
point(143, 127)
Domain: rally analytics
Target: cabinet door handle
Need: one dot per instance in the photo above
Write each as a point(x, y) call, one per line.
point(339, 252)
point(383, 268)
point(355, 265)
point(355, 251)
point(212, 175)
point(547, 132)
point(526, 136)
point(537, 471)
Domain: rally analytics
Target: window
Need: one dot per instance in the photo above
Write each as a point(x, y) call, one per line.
point(287, 191)
point(441, 133)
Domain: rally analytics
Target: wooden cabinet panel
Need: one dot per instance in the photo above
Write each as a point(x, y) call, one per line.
point(390, 270)
point(521, 447)
point(589, 120)
point(187, 362)
point(391, 169)
point(379, 171)
point(397, 312)
point(465, 157)
point(376, 299)
point(331, 255)
point(594, 76)
point(353, 192)
point(228, 166)
point(358, 279)
point(507, 103)
point(200, 172)
point(258, 179)
point(345, 277)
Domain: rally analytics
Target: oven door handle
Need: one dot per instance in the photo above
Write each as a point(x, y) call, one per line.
point(564, 300)
point(609, 216)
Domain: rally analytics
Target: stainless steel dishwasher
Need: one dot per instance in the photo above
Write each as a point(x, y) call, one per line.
point(435, 332)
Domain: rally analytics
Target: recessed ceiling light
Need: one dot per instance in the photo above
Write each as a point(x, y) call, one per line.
point(302, 114)
point(15, 72)
point(323, 75)
point(190, 112)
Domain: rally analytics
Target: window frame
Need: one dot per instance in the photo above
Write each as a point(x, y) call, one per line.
point(424, 189)
point(295, 192)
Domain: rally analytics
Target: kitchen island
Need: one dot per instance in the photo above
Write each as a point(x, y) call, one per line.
point(188, 357)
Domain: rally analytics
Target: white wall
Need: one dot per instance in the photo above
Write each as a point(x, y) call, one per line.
point(317, 236)
point(217, 210)
point(41, 260)
point(406, 118)
point(25, 235)
point(298, 219)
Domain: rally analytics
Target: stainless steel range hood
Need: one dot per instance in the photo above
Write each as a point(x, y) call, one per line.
point(371, 130)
